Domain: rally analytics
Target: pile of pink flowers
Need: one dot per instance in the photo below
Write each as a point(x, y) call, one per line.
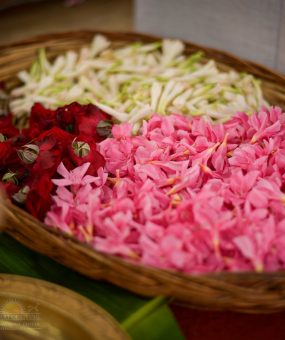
point(184, 194)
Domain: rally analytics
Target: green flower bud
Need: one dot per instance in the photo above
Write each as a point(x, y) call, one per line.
point(29, 154)
point(10, 177)
point(21, 195)
point(104, 128)
point(81, 149)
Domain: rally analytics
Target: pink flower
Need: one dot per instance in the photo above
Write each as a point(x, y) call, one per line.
point(263, 126)
point(257, 243)
point(117, 154)
point(184, 195)
point(122, 130)
point(241, 184)
point(74, 177)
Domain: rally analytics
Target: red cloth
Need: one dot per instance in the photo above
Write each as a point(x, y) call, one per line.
point(208, 325)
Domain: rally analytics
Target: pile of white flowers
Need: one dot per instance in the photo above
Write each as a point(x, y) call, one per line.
point(132, 82)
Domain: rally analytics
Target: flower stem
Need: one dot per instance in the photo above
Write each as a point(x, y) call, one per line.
point(141, 313)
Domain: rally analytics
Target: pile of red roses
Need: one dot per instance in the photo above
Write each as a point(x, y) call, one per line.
point(29, 158)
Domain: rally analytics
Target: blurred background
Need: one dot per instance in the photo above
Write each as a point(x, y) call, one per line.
point(24, 18)
point(253, 29)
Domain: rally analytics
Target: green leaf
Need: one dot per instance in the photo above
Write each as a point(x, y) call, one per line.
point(156, 326)
point(143, 318)
point(153, 321)
point(141, 313)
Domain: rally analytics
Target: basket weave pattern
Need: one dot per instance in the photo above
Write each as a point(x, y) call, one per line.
point(247, 292)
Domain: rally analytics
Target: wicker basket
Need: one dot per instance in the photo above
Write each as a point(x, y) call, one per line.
point(246, 292)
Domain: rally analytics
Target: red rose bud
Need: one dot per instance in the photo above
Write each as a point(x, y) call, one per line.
point(29, 154)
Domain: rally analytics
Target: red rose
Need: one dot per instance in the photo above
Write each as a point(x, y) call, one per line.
point(19, 140)
point(67, 135)
point(47, 161)
point(53, 146)
point(9, 188)
point(65, 116)
point(88, 119)
point(39, 197)
point(87, 153)
point(7, 129)
point(48, 139)
point(41, 118)
point(8, 154)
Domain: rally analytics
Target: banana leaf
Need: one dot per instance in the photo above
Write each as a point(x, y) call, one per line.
point(142, 318)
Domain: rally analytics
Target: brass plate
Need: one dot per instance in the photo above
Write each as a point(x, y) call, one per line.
point(34, 309)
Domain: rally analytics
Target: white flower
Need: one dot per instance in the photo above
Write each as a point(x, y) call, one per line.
point(99, 44)
point(171, 90)
point(170, 50)
point(120, 116)
point(135, 80)
point(155, 95)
